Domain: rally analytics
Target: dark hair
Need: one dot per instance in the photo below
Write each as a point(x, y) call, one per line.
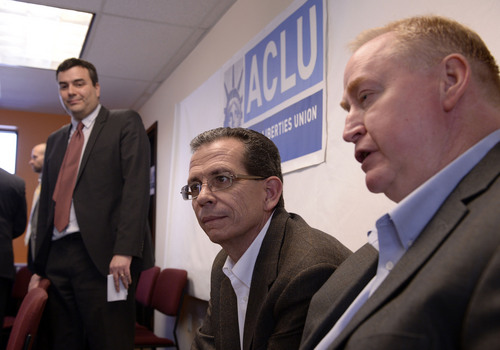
point(261, 157)
point(76, 62)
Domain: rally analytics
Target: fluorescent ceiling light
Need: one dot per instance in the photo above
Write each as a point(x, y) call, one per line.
point(40, 36)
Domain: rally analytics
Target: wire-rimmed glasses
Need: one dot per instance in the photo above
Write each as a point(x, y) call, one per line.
point(217, 182)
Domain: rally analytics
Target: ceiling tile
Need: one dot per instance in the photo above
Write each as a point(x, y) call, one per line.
point(180, 12)
point(120, 93)
point(87, 5)
point(133, 49)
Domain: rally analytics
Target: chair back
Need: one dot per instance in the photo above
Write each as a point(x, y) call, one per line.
point(169, 290)
point(146, 285)
point(44, 284)
point(21, 283)
point(27, 320)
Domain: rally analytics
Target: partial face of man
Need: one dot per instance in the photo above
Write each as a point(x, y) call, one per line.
point(393, 119)
point(232, 217)
point(37, 156)
point(78, 96)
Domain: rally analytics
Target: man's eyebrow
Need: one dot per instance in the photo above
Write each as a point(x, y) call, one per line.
point(349, 90)
point(216, 171)
point(345, 106)
point(354, 85)
point(219, 171)
point(73, 81)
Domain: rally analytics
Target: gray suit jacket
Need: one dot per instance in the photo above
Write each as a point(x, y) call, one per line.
point(293, 262)
point(444, 293)
point(111, 195)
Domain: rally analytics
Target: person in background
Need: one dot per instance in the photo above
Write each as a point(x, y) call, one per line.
point(92, 218)
point(36, 163)
point(422, 97)
point(13, 218)
point(271, 262)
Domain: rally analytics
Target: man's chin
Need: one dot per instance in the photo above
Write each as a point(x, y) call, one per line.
point(375, 182)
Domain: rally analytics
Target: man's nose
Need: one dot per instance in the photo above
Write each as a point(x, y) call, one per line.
point(354, 127)
point(71, 89)
point(205, 196)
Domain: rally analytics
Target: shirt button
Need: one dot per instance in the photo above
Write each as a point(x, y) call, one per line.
point(389, 265)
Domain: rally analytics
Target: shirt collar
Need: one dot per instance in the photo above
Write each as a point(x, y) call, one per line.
point(414, 212)
point(243, 269)
point(88, 120)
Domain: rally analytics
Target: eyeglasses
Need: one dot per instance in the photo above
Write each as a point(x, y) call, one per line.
point(215, 183)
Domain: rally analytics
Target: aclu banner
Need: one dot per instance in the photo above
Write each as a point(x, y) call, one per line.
point(286, 62)
point(277, 85)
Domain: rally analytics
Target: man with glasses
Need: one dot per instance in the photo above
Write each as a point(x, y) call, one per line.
point(271, 262)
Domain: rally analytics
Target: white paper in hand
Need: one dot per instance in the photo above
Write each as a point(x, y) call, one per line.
point(112, 294)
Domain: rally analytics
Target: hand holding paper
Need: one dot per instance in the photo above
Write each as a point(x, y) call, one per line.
point(113, 295)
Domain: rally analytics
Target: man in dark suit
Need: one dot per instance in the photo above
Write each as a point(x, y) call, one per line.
point(12, 224)
point(423, 102)
point(272, 261)
point(107, 231)
point(36, 163)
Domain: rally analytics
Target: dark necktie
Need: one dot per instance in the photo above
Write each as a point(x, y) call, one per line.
point(63, 193)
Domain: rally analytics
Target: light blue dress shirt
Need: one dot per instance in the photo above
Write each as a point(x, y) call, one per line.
point(395, 232)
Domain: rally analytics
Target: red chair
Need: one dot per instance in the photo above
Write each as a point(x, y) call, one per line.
point(19, 291)
point(21, 283)
point(44, 284)
point(144, 295)
point(27, 320)
point(167, 299)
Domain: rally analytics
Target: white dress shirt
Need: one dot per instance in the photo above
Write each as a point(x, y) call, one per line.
point(240, 275)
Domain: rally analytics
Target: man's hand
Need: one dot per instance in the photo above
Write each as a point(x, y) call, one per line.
point(120, 269)
point(34, 281)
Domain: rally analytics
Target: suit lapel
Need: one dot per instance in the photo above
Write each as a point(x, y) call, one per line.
point(228, 322)
point(443, 223)
point(338, 292)
point(99, 123)
point(61, 145)
point(427, 243)
point(264, 273)
point(57, 156)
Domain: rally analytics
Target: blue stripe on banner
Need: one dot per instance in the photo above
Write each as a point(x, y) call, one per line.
point(296, 130)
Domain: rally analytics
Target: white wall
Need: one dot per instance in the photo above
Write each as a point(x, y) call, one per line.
point(331, 196)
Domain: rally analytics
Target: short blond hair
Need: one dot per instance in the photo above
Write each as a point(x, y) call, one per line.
point(426, 40)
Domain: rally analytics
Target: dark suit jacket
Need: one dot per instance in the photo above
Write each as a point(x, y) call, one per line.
point(111, 195)
point(12, 219)
point(444, 293)
point(32, 227)
point(293, 262)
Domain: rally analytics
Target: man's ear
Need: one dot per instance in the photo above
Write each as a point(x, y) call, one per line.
point(274, 188)
point(456, 78)
point(98, 90)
